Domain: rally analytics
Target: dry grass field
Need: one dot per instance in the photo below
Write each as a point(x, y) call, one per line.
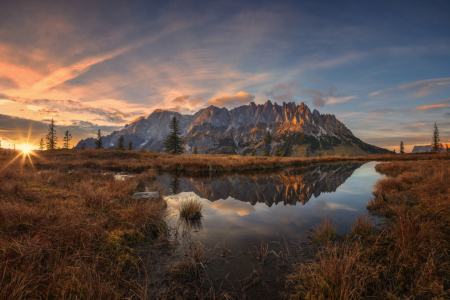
point(67, 228)
point(406, 258)
point(69, 235)
point(138, 161)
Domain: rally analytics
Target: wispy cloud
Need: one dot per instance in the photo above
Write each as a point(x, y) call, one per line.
point(285, 92)
point(438, 105)
point(288, 92)
point(432, 106)
point(317, 63)
point(109, 114)
point(418, 89)
point(320, 98)
point(73, 71)
point(335, 100)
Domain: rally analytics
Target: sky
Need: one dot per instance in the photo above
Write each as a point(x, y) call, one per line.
point(382, 67)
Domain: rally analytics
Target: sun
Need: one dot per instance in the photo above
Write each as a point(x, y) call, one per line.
point(26, 148)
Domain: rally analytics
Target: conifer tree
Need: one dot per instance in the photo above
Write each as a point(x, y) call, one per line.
point(175, 185)
point(230, 151)
point(67, 138)
point(130, 146)
point(173, 141)
point(267, 141)
point(402, 148)
point(395, 152)
point(0, 144)
point(195, 151)
point(277, 151)
point(121, 144)
point(83, 146)
point(99, 141)
point(435, 141)
point(268, 138)
point(41, 144)
point(51, 136)
point(252, 153)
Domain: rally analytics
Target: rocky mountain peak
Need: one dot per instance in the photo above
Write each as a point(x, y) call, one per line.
point(268, 103)
point(215, 130)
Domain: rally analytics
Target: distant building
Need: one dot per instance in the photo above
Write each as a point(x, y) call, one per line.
point(427, 148)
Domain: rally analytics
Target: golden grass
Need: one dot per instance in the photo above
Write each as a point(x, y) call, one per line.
point(363, 226)
point(338, 274)
point(191, 208)
point(325, 232)
point(67, 228)
point(69, 235)
point(138, 161)
point(407, 259)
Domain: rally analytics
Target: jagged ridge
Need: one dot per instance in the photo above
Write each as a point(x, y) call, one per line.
point(296, 130)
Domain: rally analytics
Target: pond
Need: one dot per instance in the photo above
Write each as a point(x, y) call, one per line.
point(248, 212)
point(245, 209)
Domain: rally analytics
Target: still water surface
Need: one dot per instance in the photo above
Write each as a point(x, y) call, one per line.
point(245, 209)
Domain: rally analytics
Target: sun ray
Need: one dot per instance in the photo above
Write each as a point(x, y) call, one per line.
point(4, 167)
point(23, 154)
point(31, 161)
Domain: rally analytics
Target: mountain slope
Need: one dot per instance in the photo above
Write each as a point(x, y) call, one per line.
point(295, 129)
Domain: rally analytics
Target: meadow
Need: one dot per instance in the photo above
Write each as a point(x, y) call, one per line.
point(139, 161)
point(69, 235)
point(68, 229)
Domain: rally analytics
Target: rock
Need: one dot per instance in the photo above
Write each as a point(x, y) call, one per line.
point(146, 195)
point(122, 177)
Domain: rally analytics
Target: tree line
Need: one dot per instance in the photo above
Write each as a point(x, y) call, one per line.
point(174, 145)
point(52, 140)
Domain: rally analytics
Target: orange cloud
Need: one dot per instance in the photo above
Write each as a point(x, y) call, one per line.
point(239, 98)
point(181, 99)
point(420, 124)
point(433, 106)
point(22, 76)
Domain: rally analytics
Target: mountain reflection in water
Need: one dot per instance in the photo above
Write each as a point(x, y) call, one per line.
point(239, 212)
point(284, 186)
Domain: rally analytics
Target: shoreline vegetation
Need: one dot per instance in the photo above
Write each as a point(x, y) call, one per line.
point(68, 229)
point(407, 257)
point(139, 161)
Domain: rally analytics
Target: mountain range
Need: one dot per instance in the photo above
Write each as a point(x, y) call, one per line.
point(296, 131)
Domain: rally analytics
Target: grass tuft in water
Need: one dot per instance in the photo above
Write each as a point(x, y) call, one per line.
point(191, 209)
point(325, 232)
